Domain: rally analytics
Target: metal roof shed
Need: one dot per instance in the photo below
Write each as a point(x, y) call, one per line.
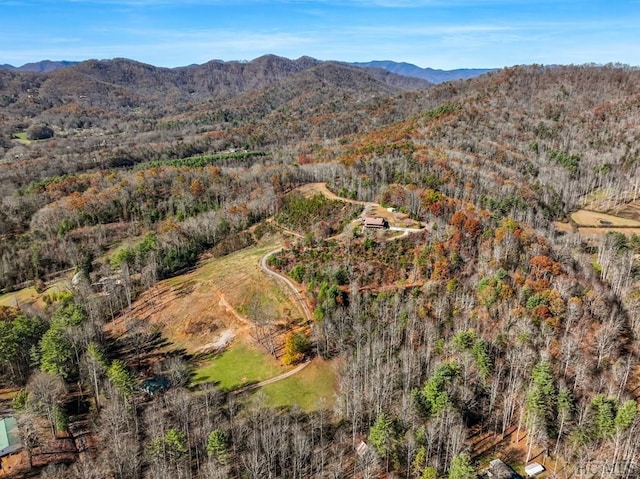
point(533, 469)
point(9, 436)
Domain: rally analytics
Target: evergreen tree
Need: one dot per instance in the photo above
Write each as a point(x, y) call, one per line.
point(121, 378)
point(429, 472)
point(382, 437)
point(626, 415)
point(604, 416)
point(541, 398)
point(482, 357)
point(56, 353)
point(217, 446)
point(461, 468)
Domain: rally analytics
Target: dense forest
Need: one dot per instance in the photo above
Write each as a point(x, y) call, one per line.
point(488, 331)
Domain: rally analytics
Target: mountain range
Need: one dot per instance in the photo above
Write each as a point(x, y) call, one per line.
point(399, 68)
point(39, 67)
point(266, 83)
point(429, 74)
point(514, 309)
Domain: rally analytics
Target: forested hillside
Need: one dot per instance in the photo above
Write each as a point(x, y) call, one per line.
point(477, 322)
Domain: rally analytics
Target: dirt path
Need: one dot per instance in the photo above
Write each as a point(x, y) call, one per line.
point(296, 293)
point(274, 379)
point(322, 189)
point(305, 310)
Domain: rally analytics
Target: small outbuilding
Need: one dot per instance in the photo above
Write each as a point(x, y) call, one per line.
point(362, 448)
point(155, 384)
point(533, 469)
point(9, 437)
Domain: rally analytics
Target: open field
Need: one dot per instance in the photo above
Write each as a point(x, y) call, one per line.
point(31, 296)
point(311, 389)
point(241, 364)
point(311, 189)
point(244, 364)
point(592, 225)
point(624, 204)
point(587, 218)
point(22, 137)
point(217, 300)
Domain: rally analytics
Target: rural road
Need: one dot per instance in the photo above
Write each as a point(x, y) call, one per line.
point(274, 379)
point(299, 299)
point(307, 314)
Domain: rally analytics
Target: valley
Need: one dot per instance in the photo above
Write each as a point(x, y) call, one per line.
point(296, 268)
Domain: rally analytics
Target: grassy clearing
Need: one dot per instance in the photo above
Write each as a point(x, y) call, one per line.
point(588, 218)
point(311, 189)
point(312, 388)
point(22, 137)
point(230, 269)
point(239, 278)
point(239, 365)
point(16, 298)
point(31, 296)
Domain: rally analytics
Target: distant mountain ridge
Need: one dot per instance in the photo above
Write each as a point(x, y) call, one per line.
point(399, 68)
point(96, 91)
point(43, 66)
point(429, 74)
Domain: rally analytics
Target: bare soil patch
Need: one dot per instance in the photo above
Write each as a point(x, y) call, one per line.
point(311, 189)
point(595, 219)
point(210, 305)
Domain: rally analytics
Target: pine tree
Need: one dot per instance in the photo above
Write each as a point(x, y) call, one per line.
point(217, 446)
point(382, 437)
point(604, 416)
point(541, 398)
point(626, 415)
point(121, 379)
point(461, 468)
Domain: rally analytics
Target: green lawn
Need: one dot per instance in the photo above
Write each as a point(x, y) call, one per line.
point(239, 365)
point(30, 295)
point(22, 137)
point(17, 298)
point(312, 388)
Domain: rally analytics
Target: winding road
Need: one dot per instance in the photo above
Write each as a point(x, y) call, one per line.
point(296, 293)
point(307, 313)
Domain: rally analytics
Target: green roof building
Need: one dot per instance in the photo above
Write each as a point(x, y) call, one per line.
point(9, 436)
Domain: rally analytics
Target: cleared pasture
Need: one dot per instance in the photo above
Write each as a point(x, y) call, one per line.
point(595, 219)
point(239, 365)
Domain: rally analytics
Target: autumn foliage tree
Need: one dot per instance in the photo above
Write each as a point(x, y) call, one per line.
point(296, 346)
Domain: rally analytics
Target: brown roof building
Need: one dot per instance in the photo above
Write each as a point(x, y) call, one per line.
point(379, 223)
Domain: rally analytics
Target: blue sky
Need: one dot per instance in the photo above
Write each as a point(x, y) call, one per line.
point(443, 34)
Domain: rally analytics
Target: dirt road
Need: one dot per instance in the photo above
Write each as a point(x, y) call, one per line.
point(274, 379)
point(299, 299)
